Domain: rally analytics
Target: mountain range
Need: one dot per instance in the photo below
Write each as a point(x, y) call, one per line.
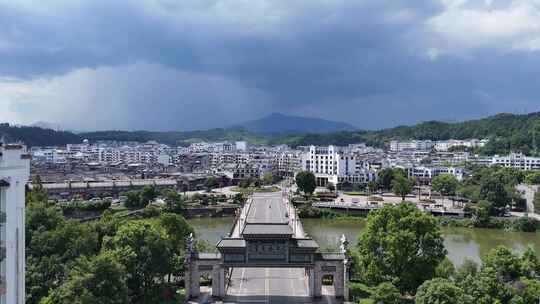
point(281, 123)
point(507, 132)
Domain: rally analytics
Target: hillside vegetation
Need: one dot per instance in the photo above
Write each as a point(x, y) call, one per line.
point(507, 132)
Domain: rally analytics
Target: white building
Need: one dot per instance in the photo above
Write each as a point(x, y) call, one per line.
point(445, 145)
point(518, 161)
point(332, 165)
point(397, 146)
point(241, 146)
point(426, 174)
point(14, 173)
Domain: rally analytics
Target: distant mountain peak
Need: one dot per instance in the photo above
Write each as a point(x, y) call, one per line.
point(282, 123)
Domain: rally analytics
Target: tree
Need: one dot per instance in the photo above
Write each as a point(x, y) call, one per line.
point(530, 265)
point(481, 214)
point(533, 178)
point(372, 186)
point(386, 293)
point(306, 182)
point(211, 183)
point(467, 268)
point(439, 291)
point(493, 189)
point(401, 186)
point(145, 251)
point(268, 178)
point(486, 288)
point(50, 253)
point(148, 195)
point(445, 269)
point(530, 292)
point(97, 280)
point(445, 184)
point(399, 244)
point(177, 229)
point(385, 177)
point(173, 200)
point(133, 200)
point(505, 263)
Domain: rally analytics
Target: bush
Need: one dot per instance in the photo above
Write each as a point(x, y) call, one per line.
point(525, 224)
point(358, 291)
point(386, 293)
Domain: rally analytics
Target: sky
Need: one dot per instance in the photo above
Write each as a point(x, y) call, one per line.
point(199, 64)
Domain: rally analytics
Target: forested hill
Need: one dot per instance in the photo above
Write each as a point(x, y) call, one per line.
point(176, 137)
point(507, 132)
point(36, 136)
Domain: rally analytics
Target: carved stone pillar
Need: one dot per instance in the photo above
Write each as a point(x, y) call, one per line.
point(218, 282)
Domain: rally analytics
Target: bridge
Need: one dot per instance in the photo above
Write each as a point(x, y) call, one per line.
point(267, 240)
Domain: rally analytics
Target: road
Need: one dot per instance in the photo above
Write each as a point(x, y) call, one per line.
point(271, 285)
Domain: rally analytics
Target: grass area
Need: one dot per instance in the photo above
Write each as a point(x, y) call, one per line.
point(255, 189)
point(355, 193)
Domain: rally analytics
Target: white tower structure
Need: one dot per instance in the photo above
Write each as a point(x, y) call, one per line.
point(14, 173)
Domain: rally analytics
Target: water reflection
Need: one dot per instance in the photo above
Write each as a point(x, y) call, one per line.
point(461, 243)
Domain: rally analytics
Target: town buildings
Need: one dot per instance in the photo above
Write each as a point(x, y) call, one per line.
point(335, 165)
point(14, 173)
point(441, 145)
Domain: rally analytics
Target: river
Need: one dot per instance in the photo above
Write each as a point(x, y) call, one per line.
point(461, 243)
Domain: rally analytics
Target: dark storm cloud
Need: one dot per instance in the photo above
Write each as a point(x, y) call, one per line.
point(171, 64)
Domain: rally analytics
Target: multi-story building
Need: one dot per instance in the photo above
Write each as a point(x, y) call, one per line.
point(422, 145)
point(332, 165)
point(287, 164)
point(424, 174)
point(445, 145)
point(14, 173)
point(518, 161)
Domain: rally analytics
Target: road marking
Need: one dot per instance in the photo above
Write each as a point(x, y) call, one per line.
point(242, 280)
point(266, 284)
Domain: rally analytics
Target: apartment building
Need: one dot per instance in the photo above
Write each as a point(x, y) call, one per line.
point(445, 145)
point(424, 174)
point(287, 164)
point(14, 173)
point(397, 146)
point(332, 165)
point(518, 161)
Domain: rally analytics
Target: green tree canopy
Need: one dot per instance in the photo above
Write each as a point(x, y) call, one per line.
point(97, 280)
point(145, 252)
point(440, 291)
point(445, 184)
point(148, 194)
point(133, 200)
point(268, 178)
point(401, 186)
point(386, 293)
point(399, 244)
point(305, 181)
point(504, 262)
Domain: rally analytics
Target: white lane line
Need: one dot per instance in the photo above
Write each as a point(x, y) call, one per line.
point(242, 280)
point(266, 285)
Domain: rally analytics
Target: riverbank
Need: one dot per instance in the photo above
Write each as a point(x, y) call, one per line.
point(460, 242)
point(522, 224)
